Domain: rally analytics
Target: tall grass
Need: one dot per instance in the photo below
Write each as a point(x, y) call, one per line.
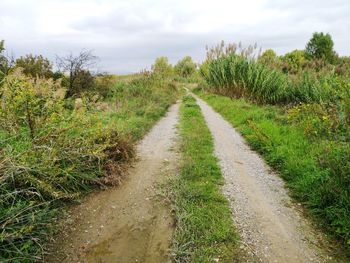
point(242, 76)
point(237, 76)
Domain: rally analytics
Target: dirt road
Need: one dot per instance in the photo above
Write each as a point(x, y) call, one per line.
point(128, 223)
point(271, 228)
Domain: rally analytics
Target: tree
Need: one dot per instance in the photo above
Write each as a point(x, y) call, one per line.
point(162, 67)
point(268, 57)
point(35, 66)
point(185, 67)
point(6, 62)
point(320, 46)
point(78, 69)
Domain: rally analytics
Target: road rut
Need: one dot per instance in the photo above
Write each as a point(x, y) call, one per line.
point(128, 223)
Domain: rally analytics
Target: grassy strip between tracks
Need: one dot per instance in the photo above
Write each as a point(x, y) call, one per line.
point(204, 231)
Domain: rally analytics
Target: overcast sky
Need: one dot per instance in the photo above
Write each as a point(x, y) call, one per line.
point(128, 35)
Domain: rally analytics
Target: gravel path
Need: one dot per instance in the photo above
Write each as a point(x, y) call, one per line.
point(270, 226)
point(127, 223)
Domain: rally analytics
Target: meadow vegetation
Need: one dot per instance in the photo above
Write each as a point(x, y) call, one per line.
point(64, 133)
point(294, 109)
point(55, 147)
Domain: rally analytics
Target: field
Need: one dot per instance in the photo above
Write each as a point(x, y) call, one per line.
point(225, 160)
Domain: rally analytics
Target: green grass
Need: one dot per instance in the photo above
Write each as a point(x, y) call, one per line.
point(315, 169)
point(204, 230)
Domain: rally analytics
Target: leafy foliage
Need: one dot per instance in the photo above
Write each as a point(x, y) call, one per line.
point(6, 63)
point(268, 57)
point(320, 46)
point(185, 67)
point(35, 66)
point(162, 67)
point(294, 61)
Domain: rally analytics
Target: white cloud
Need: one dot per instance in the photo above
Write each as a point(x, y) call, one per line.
point(128, 35)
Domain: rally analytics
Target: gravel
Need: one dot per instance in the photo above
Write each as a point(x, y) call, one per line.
point(271, 226)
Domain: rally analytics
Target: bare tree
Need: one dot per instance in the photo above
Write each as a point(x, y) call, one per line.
point(75, 66)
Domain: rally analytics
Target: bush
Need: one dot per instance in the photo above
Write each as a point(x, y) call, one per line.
point(185, 67)
point(35, 66)
point(268, 57)
point(83, 82)
point(104, 83)
point(294, 61)
point(162, 67)
point(27, 104)
point(314, 88)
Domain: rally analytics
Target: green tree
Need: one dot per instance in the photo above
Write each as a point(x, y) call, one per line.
point(320, 46)
point(185, 67)
point(268, 57)
point(35, 66)
point(161, 66)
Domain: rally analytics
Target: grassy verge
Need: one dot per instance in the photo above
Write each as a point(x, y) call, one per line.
point(70, 149)
point(204, 230)
point(315, 169)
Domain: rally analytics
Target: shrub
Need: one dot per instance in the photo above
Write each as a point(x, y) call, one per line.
point(185, 67)
point(268, 57)
point(294, 61)
point(35, 66)
point(104, 83)
point(83, 82)
point(162, 67)
point(29, 103)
